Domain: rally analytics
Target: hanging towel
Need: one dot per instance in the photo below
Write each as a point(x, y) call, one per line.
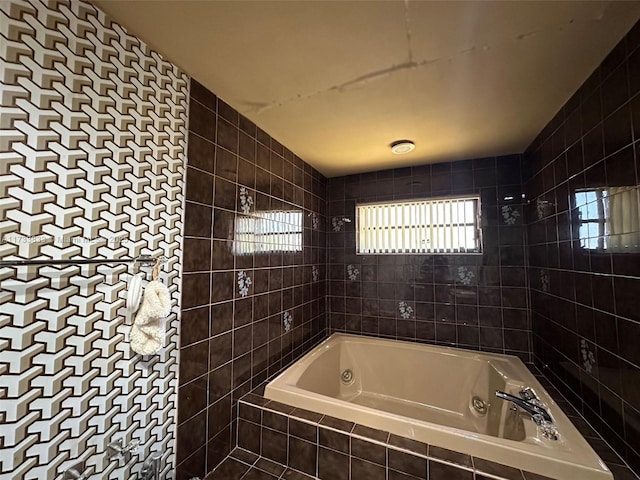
point(146, 333)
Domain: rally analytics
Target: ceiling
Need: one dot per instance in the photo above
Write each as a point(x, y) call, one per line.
point(338, 81)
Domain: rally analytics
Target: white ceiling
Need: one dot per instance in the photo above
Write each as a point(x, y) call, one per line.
point(338, 81)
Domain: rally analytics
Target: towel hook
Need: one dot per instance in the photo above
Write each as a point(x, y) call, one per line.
point(156, 269)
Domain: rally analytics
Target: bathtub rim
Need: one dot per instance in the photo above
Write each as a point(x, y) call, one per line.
point(475, 444)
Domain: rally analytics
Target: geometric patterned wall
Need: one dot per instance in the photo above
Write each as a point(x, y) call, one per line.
point(92, 159)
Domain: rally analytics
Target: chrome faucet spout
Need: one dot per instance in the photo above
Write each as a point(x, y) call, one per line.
point(536, 411)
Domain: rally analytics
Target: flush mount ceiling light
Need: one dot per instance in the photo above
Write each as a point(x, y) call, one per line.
point(400, 147)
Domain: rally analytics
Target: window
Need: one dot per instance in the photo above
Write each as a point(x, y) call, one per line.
point(435, 225)
point(268, 231)
point(591, 206)
point(608, 218)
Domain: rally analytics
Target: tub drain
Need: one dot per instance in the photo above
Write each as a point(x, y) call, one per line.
point(479, 405)
point(347, 376)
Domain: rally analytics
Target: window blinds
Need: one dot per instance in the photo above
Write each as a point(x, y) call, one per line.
point(445, 225)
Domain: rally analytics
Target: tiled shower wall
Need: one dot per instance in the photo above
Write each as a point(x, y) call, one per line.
point(470, 301)
point(245, 316)
point(585, 303)
point(91, 166)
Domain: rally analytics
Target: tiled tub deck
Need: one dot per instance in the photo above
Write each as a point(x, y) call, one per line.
point(278, 441)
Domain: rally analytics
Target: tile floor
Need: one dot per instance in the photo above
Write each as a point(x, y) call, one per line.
point(244, 465)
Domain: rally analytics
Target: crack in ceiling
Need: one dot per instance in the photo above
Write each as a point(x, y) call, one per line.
point(361, 80)
point(259, 107)
point(410, 64)
point(407, 24)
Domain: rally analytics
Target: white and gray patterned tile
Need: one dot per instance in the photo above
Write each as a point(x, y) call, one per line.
point(92, 156)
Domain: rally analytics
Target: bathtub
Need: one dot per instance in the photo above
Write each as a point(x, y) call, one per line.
point(437, 395)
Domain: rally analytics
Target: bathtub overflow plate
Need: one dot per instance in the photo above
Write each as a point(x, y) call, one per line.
point(479, 405)
point(347, 376)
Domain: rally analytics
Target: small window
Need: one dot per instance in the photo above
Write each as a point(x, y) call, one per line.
point(435, 225)
point(268, 231)
point(591, 213)
point(608, 219)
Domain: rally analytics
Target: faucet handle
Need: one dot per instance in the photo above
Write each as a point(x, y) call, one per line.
point(548, 429)
point(131, 447)
point(75, 472)
point(538, 419)
point(528, 394)
point(118, 448)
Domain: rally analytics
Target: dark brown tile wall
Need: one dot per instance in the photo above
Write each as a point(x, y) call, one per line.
point(231, 342)
point(585, 304)
point(489, 314)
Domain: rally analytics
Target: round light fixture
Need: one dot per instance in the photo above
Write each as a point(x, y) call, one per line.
point(400, 147)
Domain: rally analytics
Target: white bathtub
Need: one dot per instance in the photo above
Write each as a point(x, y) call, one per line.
point(425, 392)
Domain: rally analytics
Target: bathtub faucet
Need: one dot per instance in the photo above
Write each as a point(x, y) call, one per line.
point(537, 412)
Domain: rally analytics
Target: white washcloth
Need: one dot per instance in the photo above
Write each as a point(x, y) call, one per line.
point(146, 332)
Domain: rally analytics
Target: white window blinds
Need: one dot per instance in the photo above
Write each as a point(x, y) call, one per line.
point(444, 225)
